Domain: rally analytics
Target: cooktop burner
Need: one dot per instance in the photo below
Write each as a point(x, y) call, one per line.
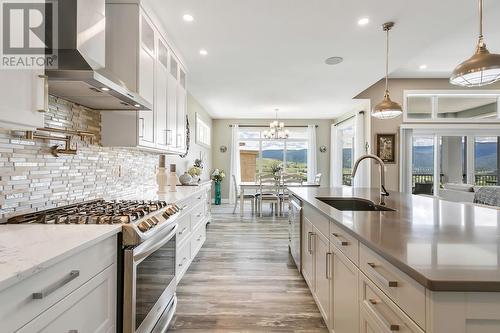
point(93, 212)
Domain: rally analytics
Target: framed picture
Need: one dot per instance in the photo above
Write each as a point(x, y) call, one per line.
point(203, 135)
point(386, 147)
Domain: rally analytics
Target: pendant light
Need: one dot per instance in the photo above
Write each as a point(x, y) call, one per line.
point(387, 109)
point(482, 68)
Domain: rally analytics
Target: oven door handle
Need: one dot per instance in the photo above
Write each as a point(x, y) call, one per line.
point(144, 252)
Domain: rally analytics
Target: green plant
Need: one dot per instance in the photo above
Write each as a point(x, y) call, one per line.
point(195, 171)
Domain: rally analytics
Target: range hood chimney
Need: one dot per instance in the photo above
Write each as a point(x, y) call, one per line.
point(80, 75)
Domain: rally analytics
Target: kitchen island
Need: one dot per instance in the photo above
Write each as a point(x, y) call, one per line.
point(428, 266)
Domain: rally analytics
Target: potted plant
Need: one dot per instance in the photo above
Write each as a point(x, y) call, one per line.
point(218, 176)
point(195, 172)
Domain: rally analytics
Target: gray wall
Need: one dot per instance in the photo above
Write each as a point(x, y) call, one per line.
point(221, 133)
point(397, 87)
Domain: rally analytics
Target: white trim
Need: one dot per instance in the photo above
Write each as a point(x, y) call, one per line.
point(434, 94)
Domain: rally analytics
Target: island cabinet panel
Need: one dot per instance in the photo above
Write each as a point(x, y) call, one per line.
point(322, 263)
point(344, 242)
point(320, 221)
point(382, 314)
point(308, 253)
point(460, 312)
point(401, 288)
point(344, 293)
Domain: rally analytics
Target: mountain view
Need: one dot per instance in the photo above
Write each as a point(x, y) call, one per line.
point(298, 156)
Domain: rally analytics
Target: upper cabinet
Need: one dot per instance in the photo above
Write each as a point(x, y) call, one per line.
point(24, 96)
point(139, 55)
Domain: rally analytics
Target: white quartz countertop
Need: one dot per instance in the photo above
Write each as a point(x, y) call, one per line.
point(29, 248)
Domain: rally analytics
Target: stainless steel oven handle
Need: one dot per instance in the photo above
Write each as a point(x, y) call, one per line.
point(155, 246)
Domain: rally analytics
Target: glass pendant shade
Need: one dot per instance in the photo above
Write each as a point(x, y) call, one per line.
point(481, 69)
point(387, 109)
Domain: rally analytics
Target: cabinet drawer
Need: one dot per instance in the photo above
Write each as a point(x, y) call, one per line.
point(381, 313)
point(198, 238)
point(183, 259)
point(184, 229)
point(344, 242)
point(20, 304)
point(197, 215)
point(408, 294)
point(317, 219)
point(90, 308)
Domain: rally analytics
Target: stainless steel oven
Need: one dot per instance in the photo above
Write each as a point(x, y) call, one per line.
point(149, 299)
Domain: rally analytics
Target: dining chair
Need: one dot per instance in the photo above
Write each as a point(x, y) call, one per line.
point(290, 179)
point(317, 179)
point(268, 192)
point(246, 197)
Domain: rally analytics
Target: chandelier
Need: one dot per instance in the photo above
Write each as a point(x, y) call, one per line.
point(277, 129)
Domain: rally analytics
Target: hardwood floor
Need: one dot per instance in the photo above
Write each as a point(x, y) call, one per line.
point(243, 280)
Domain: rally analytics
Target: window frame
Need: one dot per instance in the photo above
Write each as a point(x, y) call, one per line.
point(435, 94)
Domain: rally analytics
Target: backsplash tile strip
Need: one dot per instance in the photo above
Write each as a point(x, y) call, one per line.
point(31, 179)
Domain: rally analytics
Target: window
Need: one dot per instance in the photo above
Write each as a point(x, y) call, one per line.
point(263, 156)
point(486, 160)
point(452, 106)
point(422, 164)
point(203, 135)
point(347, 138)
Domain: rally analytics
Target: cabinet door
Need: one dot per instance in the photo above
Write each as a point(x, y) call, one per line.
point(172, 112)
point(345, 303)
point(181, 118)
point(368, 324)
point(24, 96)
point(147, 56)
point(307, 253)
point(90, 308)
point(323, 260)
point(161, 95)
point(146, 90)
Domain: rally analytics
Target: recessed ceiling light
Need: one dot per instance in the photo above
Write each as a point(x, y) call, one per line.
point(334, 60)
point(363, 21)
point(137, 105)
point(105, 89)
point(203, 52)
point(423, 66)
point(188, 18)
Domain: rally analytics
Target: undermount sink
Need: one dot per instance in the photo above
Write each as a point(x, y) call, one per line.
point(354, 204)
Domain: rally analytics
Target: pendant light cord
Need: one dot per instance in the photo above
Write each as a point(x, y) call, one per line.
point(480, 21)
point(387, 62)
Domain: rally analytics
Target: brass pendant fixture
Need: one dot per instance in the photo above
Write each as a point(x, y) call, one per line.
point(482, 68)
point(387, 109)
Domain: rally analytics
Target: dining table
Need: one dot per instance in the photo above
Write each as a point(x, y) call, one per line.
point(252, 186)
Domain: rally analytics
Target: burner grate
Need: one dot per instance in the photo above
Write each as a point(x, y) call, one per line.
point(93, 212)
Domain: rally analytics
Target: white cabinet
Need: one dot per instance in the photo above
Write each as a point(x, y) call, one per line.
point(24, 98)
point(307, 253)
point(90, 308)
point(344, 293)
point(158, 77)
point(54, 299)
point(322, 274)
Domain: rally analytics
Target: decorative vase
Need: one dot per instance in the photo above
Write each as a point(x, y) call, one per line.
point(172, 178)
point(218, 193)
point(185, 179)
point(195, 179)
point(161, 180)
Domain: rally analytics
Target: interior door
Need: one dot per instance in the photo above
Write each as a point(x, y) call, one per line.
point(322, 258)
point(344, 293)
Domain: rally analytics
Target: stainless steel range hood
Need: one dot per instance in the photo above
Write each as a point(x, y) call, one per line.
point(80, 75)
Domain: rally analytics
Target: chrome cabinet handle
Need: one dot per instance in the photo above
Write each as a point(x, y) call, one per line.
point(182, 231)
point(182, 262)
point(59, 284)
point(169, 137)
point(309, 242)
point(198, 215)
point(183, 207)
point(372, 303)
point(45, 93)
point(141, 125)
point(339, 240)
point(328, 265)
point(379, 276)
point(198, 198)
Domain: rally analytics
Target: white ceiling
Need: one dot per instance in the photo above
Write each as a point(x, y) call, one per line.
point(264, 54)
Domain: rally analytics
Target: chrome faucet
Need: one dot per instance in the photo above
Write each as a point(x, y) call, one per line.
point(383, 191)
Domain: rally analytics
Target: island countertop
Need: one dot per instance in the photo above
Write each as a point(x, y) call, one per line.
point(443, 245)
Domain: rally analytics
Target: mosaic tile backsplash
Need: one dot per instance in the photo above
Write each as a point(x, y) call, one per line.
point(32, 179)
